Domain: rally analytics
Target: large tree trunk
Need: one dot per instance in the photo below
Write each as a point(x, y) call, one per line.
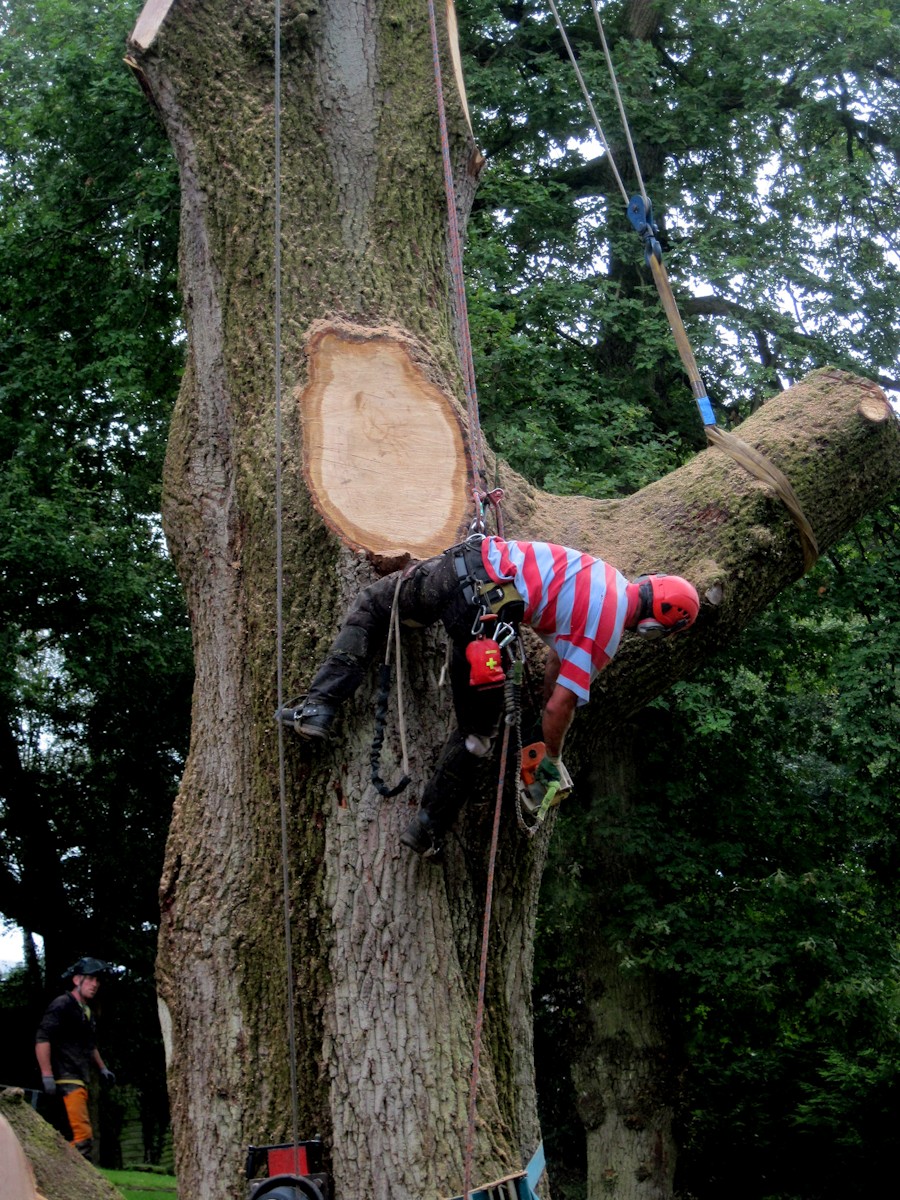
point(385, 946)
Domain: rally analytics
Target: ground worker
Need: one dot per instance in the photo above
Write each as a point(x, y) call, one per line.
point(66, 1048)
point(482, 590)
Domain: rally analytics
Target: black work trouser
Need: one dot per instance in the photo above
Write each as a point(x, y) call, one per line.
point(430, 591)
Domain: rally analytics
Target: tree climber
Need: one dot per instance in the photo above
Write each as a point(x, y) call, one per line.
point(66, 1049)
point(578, 605)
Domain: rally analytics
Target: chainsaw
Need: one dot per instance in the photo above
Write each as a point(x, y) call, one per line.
point(543, 788)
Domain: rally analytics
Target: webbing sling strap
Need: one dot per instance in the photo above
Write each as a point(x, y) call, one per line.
point(640, 214)
point(513, 1187)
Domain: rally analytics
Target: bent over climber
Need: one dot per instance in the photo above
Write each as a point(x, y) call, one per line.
point(577, 604)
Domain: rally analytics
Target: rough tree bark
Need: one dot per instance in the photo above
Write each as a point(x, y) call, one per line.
point(57, 1170)
point(385, 946)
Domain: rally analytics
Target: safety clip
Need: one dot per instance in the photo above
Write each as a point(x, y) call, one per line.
point(482, 618)
point(641, 217)
point(504, 634)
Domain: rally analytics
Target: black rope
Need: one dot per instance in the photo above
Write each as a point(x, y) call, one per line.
point(381, 711)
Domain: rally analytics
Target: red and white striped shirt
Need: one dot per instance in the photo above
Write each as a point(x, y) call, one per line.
point(576, 603)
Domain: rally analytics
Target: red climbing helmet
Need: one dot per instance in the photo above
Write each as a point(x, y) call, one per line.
point(668, 603)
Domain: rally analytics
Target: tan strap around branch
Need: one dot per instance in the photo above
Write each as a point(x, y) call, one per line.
point(759, 466)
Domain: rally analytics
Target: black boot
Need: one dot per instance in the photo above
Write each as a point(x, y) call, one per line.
point(335, 681)
point(314, 719)
point(454, 779)
point(308, 718)
point(421, 835)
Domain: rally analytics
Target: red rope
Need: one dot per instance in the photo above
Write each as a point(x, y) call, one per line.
point(476, 451)
point(476, 454)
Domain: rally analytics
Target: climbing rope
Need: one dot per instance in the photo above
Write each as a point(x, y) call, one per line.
point(512, 703)
point(279, 604)
point(381, 706)
point(640, 214)
point(480, 494)
point(589, 101)
point(619, 103)
point(480, 497)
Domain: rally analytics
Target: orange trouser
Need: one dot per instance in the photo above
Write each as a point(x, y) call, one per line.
point(76, 1102)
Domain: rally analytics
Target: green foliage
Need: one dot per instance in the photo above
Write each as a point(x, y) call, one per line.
point(15, 987)
point(756, 870)
point(761, 854)
point(753, 874)
point(546, 406)
point(768, 147)
point(95, 666)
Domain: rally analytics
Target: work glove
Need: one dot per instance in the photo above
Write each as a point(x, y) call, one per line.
point(48, 1083)
point(107, 1076)
point(548, 771)
point(548, 785)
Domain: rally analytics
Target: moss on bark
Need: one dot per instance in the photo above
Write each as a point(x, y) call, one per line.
point(60, 1172)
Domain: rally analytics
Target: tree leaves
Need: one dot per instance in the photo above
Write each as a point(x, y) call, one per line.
point(761, 852)
point(754, 874)
point(95, 671)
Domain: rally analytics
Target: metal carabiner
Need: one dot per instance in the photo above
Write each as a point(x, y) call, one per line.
point(477, 524)
point(504, 634)
point(483, 615)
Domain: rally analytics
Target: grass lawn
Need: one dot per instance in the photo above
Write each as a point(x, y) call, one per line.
point(142, 1185)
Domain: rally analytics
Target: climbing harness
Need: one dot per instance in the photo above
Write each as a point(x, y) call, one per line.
point(500, 608)
point(484, 594)
point(640, 213)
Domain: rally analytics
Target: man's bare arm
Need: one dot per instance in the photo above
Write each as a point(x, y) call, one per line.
point(558, 713)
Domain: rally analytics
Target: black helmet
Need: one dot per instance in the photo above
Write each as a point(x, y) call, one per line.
point(86, 966)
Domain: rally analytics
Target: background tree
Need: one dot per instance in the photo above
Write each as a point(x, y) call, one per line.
point(803, 845)
point(772, 165)
point(95, 669)
point(380, 1049)
point(756, 848)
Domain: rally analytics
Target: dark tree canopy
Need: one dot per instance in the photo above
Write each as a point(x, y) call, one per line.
point(373, 925)
point(95, 670)
point(771, 161)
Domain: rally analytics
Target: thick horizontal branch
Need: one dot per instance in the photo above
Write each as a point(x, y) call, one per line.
point(835, 438)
